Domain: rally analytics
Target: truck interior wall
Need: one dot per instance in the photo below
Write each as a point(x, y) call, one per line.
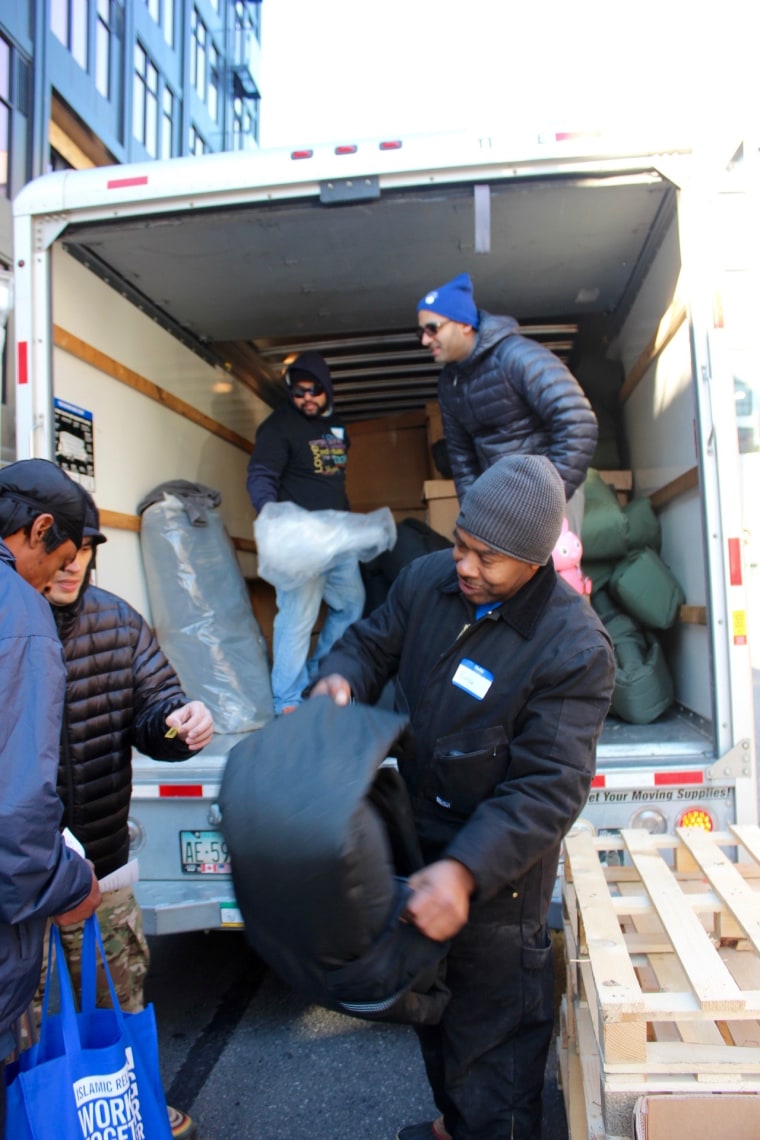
point(659, 427)
point(139, 443)
point(388, 463)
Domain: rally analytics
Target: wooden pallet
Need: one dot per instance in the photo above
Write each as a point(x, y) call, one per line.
point(663, 971)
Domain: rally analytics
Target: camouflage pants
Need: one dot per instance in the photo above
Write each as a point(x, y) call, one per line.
point(126, 950)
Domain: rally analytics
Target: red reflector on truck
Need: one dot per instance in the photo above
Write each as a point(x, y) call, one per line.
point(393, 144)
point(647, 779)
point(679, 778)
point(120, 183)
point(183, 790)
point(22, 370)
point(735, 561)
point(301, 153)
point(346, 149)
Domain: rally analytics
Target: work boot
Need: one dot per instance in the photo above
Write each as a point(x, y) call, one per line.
point(429, 1130)
point(182, 1125)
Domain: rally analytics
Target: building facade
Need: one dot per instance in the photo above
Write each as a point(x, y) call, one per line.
point(95, 82)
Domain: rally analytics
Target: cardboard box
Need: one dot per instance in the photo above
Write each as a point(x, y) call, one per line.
point(442, 504)
point(697, 1116)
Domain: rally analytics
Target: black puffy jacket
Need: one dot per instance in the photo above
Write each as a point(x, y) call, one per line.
point(513, 395)
point(119, 690)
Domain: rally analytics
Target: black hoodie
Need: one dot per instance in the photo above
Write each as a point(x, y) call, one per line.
point(301, 459)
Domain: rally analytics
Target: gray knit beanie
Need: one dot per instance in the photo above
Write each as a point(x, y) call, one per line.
point(517, 507)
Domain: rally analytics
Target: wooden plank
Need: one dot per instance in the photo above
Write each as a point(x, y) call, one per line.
point(614, 980)
point(699, 1059)
point(582, 1124)
point(110, 367)
point(669, 325)
point(119, 521)
point(742, 901)
point(749, 837)
point(669, 978)
point(713, 985)
point(675, 488)
point(610, 961)
point(591, 1074)
point(692, 615)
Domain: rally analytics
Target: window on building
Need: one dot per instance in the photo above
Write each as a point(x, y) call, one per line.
point(198, 54)
point(162, 12)
point(68, 23)
point(245, 24)
point(167, 122)
point(198, 144)
point(145, 101)
point(245, 113)
point(214, 82)
point(5, 118)
point(103, 34)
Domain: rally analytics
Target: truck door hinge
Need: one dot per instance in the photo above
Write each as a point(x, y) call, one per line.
point(339, 191)
point(733, 764)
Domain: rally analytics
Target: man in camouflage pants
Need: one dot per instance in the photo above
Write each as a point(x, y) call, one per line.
point(121, 692)
point(126, 950)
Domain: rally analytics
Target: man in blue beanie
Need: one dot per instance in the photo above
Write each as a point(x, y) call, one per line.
point(501, 393)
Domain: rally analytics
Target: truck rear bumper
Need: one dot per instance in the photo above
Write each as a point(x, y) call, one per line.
point(171, 907)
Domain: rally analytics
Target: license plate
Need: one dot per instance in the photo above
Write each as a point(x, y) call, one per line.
point(204, 853)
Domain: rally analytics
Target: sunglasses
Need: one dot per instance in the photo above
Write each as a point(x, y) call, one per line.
point(430, 328)
point(303, 390)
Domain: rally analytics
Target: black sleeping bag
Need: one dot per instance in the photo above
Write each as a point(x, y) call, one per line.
point(320, 838)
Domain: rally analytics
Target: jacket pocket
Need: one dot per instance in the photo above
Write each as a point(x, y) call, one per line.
point(467, 767)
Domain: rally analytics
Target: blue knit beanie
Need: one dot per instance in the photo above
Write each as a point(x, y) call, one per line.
point(453, 300)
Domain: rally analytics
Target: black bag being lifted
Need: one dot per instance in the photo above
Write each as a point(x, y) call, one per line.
point(318, 840)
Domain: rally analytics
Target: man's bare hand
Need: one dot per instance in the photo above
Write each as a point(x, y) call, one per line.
point(83, 909)
point(440, 904)
point(333, 686)
point(193, 723)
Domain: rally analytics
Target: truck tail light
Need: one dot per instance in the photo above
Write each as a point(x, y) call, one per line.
point(695, 817)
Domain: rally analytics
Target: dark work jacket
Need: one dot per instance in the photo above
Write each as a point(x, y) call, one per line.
point(39, 875)
point(494, 782)
point(299, 459)
point(513, 395)
point(119, 690)
point(320, 843)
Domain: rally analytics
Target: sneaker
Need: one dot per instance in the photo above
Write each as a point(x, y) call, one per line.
point(430, 1130)
point(180, 1123)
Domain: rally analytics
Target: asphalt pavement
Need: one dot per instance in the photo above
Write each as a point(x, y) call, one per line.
point(251, 1061)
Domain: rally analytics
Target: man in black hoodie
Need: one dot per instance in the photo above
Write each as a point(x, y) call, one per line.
point(300, 456)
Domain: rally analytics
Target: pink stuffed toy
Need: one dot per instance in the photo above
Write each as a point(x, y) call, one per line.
point(567, 560)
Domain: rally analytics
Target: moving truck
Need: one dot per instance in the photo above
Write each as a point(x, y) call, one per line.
point(156, 306)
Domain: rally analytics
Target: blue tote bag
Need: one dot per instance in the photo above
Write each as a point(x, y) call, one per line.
point(93, 1073)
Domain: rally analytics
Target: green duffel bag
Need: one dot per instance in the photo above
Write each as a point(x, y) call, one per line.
point(599, 573)
point(643, 684)
point(604, 534)
point(646, 589)
point(643, 525)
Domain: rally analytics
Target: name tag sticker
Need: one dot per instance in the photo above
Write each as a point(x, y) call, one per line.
point(474, 679)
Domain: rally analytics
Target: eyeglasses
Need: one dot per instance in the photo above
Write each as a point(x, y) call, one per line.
point(430, 328)
point(304, 390)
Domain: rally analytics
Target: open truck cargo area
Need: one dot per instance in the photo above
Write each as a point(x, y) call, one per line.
point(164, 300)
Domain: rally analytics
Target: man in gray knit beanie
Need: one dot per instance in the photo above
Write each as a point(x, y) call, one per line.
point(516, 507)
point(505, 674)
